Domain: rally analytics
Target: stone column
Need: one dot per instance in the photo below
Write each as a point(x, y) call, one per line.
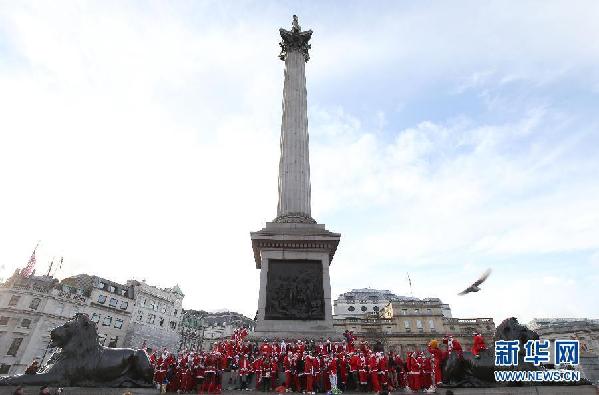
point(294, 165)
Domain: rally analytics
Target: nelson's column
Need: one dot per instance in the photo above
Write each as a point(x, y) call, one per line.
point(293, 252)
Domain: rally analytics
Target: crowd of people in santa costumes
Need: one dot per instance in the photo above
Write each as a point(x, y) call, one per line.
point(304, 366)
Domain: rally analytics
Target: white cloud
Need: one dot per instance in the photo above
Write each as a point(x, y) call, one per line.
point(143, 142)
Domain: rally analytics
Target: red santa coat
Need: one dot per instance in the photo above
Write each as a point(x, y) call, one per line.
point(354, 363)
point(244, 365)
point(413, 372)
point(478, 345)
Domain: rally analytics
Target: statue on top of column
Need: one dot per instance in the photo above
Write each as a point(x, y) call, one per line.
point(295, 39)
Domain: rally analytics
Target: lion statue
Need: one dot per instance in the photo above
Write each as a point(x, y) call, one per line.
point(468, 372)
point(82, 362)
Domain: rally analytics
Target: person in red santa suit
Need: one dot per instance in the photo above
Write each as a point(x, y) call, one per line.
point(373, 367)
point(316, 373)
point(210, 372)
point(274, 373)
point(427, 371)
point(453, 346)
point(257, 367)
point(198, 369)
point(354, 363)
point(413, 372)
point(287, 366)
point(266, 374)
point(160, 367)
point(342, 366)
point(332, 372)
point(383, 370)
point(400, 369)
point(244, 370)
point(478, 345)
point(437, 357)
point(363, 372)
point(309, 373)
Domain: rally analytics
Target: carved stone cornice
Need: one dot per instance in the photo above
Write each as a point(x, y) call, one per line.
point(295, 218)
point(277, 244)
point(295, 40)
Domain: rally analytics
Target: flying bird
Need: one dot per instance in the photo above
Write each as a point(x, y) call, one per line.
point(475, 286)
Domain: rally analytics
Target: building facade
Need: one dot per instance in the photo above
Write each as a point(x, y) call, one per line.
point(583, 329)
point(30, 307)
point(109, 305)
point(156, 317)
point(409, 325)
point(199, 329)
point(364, 301)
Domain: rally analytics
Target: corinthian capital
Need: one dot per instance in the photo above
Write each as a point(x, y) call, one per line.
point(295, 40)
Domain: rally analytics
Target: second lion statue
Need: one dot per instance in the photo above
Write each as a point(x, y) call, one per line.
point(83, 362)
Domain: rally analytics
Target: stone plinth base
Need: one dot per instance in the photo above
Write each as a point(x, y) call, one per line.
point(295, 288)
point(296, 335)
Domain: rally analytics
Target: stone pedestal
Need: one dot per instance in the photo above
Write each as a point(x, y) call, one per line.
point(295, 287)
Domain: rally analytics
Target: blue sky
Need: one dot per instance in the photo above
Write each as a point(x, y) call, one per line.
point(140, 139)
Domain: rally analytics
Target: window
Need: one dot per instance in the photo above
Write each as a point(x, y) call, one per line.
point(175, 313)
point(113, 302)
point(95, 318)
point(123, 292)
point(163, 309)
point(155, 307)
point(151, 318)
point(429, 311)
point(25, 323)
point(102, 299)
point(111, 289)
point(419, 325)
point(431, 325)
point(143, 303)
point(113, 340)
point(118, 323)
point(173, 325)
point(161, 322)
point(4, 320)
point(13, 300)
point(101, 285)
point(363, 308)
point(404, 311)
point(14, 347)
point(102, 339)
point(124, 305)
point(375, 308)
point(35, 303)
point(351, 308)
point(140, 316)
point(4, 368)
point(406, 325)
point(416, 311)
point(107, 321)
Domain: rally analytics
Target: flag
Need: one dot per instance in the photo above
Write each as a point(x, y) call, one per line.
point(30, 268)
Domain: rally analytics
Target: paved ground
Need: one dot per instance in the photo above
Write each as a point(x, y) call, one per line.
point(543, 390)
